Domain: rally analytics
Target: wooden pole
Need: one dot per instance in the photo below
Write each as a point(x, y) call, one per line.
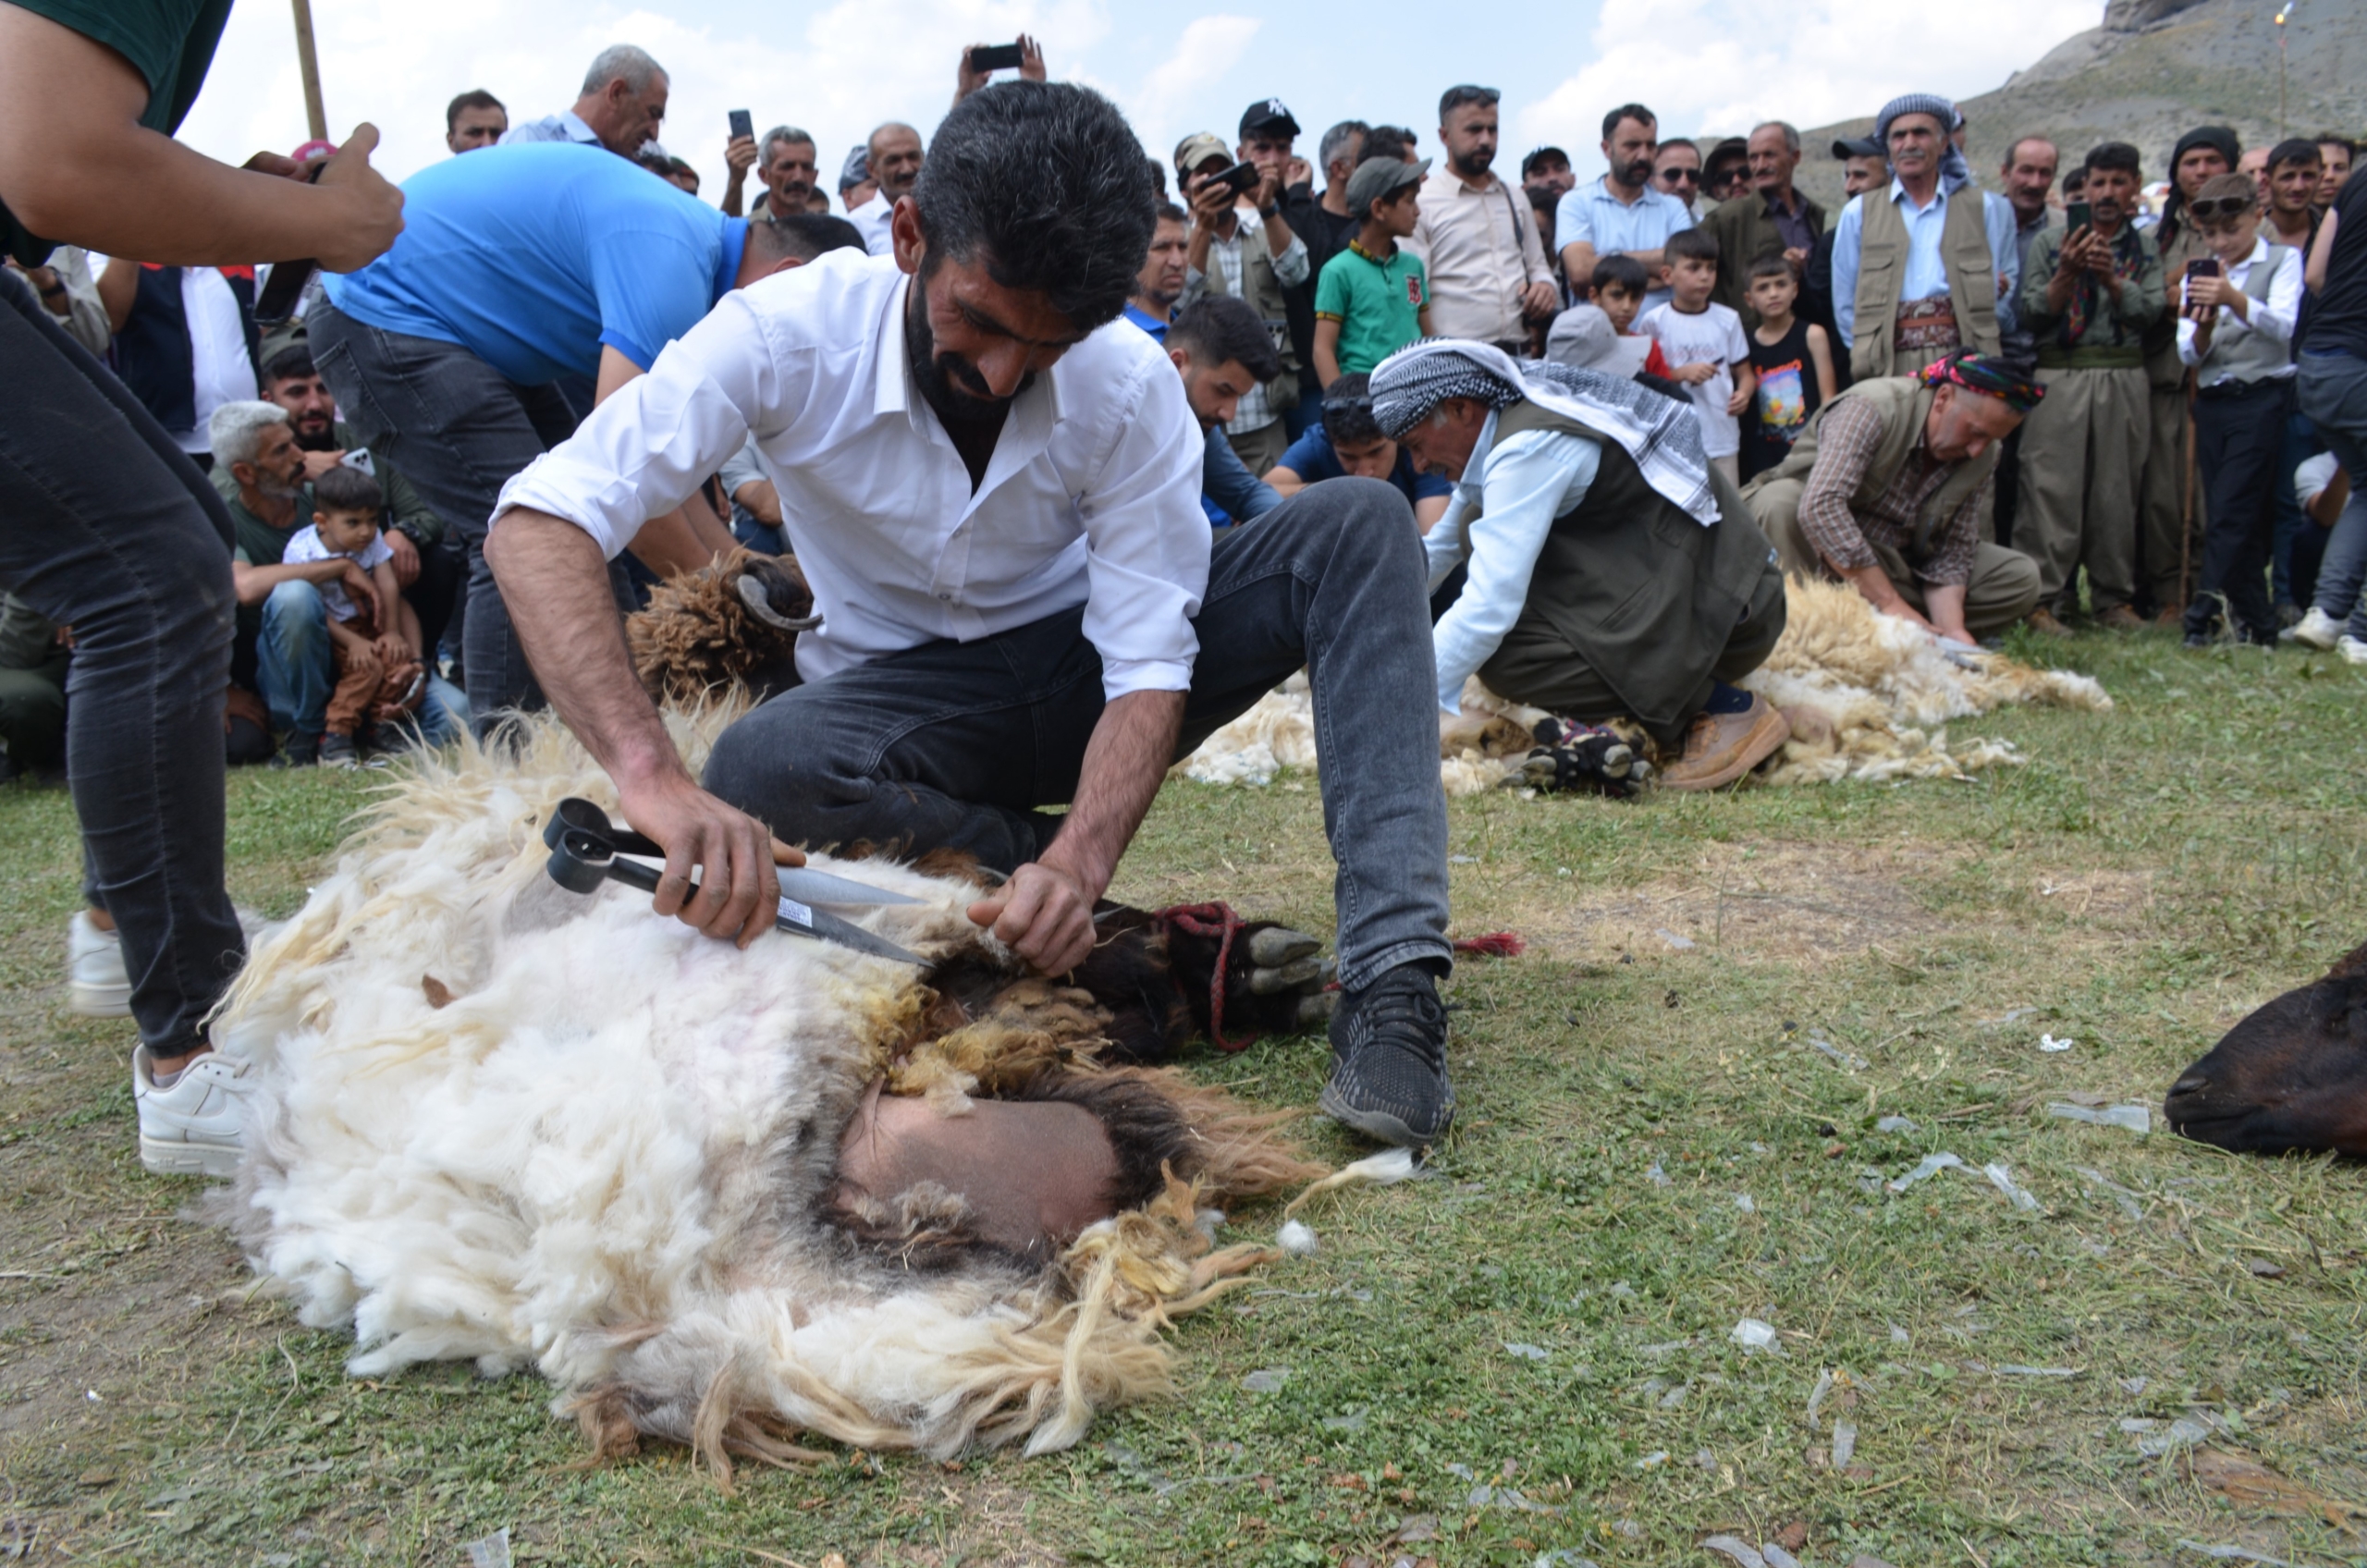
point(308, 61)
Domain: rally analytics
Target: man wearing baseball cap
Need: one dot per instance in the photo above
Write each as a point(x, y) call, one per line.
point(1253, 262)
point(1268, 134)
point(1930, 265)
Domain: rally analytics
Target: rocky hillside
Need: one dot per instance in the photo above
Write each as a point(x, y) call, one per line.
point(2155, 70)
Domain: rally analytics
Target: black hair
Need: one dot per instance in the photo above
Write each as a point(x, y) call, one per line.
point(1624, 272)
point(2295, 149)
point(1774, 266)
point(1170, 213)
point(346, 489)
point(2075, 180)
point(1045, 185)
point(1158, 178)
point(802, 235)
point(1388, 141)
point(2336, 138)
point(1454, 98)
point(2115, 156)
point(1696, 244)
point(1629, 112)
point(291, 363)
point(1347, 412)
point(476, 98)
point(1220, 330)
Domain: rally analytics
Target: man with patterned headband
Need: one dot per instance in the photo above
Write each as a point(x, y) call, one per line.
point(1611, 570)
point(1885, 489)
point(1929, 263)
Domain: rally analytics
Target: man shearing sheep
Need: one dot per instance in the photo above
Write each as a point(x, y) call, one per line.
point(992, 484)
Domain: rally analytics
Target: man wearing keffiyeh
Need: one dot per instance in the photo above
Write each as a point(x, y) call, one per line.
point(1611, 570)
point(2088, 297)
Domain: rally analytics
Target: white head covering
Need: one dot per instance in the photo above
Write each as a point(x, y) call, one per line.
point(1662, 435)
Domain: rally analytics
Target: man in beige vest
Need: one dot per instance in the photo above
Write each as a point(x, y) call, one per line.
point(1929, 266)
point(1885, 490)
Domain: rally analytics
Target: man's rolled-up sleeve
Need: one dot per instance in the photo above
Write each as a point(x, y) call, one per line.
point(641, 453)
point(1847, 435)
point(1146, 543)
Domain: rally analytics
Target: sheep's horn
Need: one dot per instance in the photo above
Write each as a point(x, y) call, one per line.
point(752, 593)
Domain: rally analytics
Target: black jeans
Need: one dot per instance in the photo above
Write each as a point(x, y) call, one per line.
point(108, 528)
point(956, 744)
point(2239, 440)
point(458, 431)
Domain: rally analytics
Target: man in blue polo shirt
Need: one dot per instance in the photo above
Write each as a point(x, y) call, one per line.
point(520, 265)
point(1621, 215)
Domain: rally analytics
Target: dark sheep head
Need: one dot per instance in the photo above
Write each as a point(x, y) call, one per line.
point(2293, 1075)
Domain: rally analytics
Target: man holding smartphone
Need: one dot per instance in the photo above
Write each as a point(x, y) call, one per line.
point(1226, 256)
point(2090, 292)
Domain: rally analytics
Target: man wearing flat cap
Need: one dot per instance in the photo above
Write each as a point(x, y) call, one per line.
point(1253, 262)
point(1929, 264)
point(1885, 489)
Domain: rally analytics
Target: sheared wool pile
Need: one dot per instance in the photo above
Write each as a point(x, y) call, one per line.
point(1871, 696)
point(512, 1125)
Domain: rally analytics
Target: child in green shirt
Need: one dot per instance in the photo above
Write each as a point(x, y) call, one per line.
point(1374, 296)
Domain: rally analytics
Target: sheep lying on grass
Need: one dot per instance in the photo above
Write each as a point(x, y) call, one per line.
point(705, 1192)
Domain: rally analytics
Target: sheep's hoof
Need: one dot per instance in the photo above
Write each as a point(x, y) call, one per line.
point(1289, 977)
point(1316, 1008)
point(1279, 944)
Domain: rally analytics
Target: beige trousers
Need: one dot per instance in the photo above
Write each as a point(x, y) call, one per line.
point(2083, 455)
point(2002, 589)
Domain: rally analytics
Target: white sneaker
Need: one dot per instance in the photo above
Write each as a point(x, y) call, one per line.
point(2353, 650)
point(2316, 629)
point(198, 1126)
point(94, 970)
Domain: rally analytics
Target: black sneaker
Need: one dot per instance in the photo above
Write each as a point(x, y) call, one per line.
point(301, 751)
point(338, 751)
point(1388, 1060)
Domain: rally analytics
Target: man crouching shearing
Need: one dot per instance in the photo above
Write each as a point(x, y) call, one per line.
point(992, 485)
point(1612, 571)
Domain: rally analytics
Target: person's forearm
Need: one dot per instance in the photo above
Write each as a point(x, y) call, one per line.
point(1944, 607)
point(761, 499)
point(673, 543)
point(1577, 264)
point(1125, 762)
point(1874, 585)
point(118, 291)
point(556, 585)
point(1196, 249)
point(1278, 234)
point(250, 585)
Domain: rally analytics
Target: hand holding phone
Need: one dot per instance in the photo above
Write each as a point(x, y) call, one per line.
point(742, 124)
point(987, 58)
point(2078, 216)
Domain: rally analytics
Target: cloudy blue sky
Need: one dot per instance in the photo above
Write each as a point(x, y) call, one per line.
point(836, 66)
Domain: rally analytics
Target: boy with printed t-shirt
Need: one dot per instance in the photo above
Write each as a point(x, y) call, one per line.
point(1374, 296)
point(1704, 341)
point(1792, 359)
point(379, 676)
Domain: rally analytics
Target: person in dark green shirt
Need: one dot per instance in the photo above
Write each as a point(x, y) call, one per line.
point(106, 527)
point(1374, 296)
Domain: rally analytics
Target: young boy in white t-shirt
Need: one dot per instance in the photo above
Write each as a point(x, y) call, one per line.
point(1704, 344)
point(379, 674)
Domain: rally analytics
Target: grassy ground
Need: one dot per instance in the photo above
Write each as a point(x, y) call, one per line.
point(1722, 998)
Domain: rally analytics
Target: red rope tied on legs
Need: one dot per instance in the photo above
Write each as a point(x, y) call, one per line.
point(1219, 921)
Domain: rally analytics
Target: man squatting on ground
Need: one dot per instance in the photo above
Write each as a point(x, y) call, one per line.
point(107, 527)
point(1612, 571)
point(1885, 489)
point(990, 482)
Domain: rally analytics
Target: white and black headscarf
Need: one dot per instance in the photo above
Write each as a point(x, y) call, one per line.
point(1661, 434)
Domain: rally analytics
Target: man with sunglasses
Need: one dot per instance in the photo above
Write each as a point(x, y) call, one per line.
point(1678, 172)
point(1489, 277)
point(1624, 213)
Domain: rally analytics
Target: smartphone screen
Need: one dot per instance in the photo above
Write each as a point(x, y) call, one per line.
point(743, 123)
point(995, 57)
point(2078, 216)
point(2202, 266)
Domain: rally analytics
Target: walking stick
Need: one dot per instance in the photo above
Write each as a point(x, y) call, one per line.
point(308, 65)
point(2186, 504)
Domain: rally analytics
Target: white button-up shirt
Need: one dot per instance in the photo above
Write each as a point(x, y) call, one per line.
point(566, 126)
point(2274, 316)
point(1092, 495)
point(872, 221)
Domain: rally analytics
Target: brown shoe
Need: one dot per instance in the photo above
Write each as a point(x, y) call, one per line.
point(2120, 617)
point(2043, 621)
point(1722, 747)
point(2171, 619)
